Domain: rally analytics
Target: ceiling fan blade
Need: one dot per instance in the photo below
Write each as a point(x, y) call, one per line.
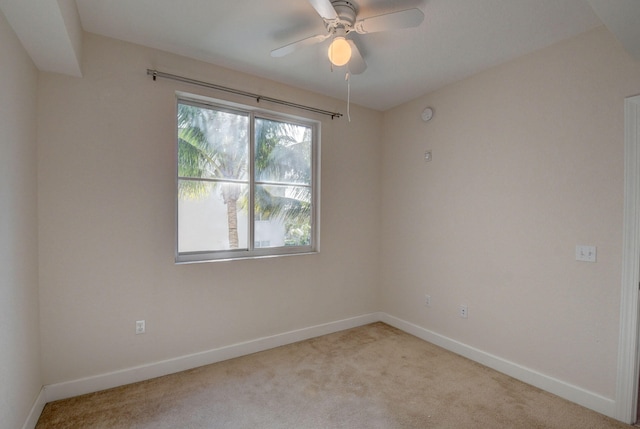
point(390, 21)
point(357, 64)
point(287, 49)
point(324, 8)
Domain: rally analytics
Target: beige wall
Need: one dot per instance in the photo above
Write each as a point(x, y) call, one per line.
point(106, 214)
point(527, 163)
point(20, 380)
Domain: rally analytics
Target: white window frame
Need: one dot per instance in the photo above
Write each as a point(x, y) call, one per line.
point(252, 252)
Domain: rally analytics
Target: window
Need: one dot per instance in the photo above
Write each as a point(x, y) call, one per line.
point(247, 183)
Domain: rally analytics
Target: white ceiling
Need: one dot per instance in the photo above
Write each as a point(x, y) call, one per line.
point(458, 38)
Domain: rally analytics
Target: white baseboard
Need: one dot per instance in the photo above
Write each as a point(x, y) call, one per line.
point(36, 410)
point(96, 383)
point(560, 388)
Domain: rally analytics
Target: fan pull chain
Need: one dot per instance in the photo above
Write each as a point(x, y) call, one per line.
point(348, 79)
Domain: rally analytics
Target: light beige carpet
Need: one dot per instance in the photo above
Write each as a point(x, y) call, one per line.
point(369, 377)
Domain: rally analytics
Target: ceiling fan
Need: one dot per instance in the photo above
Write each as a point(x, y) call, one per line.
point(341, 18)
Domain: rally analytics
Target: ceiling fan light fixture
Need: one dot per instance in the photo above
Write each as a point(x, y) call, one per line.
point(339, 51)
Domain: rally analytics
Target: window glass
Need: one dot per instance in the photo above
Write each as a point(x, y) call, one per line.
point(283, 152)
point(228, 174)
point(203, 218)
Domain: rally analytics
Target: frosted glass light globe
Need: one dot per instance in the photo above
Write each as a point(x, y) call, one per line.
point(339, 51)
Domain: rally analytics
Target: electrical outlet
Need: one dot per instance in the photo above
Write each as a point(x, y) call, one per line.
point(463, 311)
point(427, 300)
point(140, 327)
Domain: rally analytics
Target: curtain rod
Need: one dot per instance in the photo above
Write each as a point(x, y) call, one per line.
point(156, 74)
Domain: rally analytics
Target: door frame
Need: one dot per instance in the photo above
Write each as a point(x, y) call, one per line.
point(628, 353)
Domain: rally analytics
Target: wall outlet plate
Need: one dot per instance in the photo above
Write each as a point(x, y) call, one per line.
point(463, 310)
point(140, 327)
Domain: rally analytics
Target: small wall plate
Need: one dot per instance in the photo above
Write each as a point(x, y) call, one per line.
point(427, 114)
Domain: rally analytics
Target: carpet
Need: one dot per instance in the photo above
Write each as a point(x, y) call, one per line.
point(371, 377)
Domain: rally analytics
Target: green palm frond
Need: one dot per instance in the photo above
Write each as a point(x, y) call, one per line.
point(296, 205)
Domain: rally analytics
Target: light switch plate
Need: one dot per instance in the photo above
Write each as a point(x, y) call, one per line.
point(585, 253)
